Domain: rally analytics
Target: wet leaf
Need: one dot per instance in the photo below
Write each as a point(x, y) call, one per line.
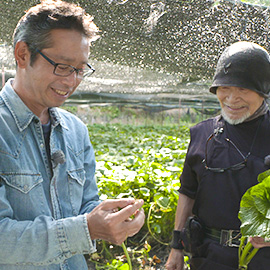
point(255, 209)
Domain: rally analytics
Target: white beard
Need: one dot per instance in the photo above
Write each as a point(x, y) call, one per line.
point(234, 121)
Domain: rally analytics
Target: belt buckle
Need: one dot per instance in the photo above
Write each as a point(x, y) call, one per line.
point(226, 238)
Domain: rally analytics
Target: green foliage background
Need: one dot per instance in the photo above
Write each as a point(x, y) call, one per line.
point(144, 162)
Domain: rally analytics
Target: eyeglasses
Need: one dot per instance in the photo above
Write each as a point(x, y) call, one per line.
point(65, 70)
point(234, 167)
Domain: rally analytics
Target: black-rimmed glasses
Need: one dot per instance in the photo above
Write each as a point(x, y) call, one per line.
point(65, 70)
point(234, 167)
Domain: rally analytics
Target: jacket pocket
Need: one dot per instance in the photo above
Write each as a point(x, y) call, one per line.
point(25, 194)
point(23, 182)
point(76, 180)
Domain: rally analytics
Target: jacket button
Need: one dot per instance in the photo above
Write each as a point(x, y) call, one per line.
point(25, 187)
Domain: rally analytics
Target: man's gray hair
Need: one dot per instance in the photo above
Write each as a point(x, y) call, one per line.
point(35, 26)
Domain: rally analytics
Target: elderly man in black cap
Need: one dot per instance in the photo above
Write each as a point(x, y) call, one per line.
point(224, 158)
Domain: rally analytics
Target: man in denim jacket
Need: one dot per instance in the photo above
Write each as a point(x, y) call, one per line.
point(50, 211)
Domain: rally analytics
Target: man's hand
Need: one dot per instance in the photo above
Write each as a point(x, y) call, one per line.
point(175, 260)
point(258, 242)
point(115, 220)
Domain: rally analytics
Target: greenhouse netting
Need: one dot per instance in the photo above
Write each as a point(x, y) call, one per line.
point(159, 53)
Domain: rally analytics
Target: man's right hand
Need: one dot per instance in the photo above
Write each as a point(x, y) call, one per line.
point(175, 260)
point(111, 220)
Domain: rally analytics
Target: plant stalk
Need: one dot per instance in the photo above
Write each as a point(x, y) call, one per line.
point(127, 256)
point(246, 253)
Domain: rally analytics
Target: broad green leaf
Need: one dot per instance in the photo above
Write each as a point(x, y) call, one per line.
point(263, 175)
point(255, 209)
point(254, 214)
point(145, 191)
point(161, 201)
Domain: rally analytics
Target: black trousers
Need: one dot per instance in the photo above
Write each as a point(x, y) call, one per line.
point(213, 256)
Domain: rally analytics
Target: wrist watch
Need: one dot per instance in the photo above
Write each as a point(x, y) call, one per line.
point(177, 242)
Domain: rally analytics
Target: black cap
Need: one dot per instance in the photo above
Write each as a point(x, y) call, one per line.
point(243, 64)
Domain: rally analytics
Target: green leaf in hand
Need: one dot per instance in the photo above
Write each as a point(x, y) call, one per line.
point(255, 210)
point(255, 217)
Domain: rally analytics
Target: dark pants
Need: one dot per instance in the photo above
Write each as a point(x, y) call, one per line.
point(213, 256)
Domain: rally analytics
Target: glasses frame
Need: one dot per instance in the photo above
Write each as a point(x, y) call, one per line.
point(77, 70)
point(234, 167)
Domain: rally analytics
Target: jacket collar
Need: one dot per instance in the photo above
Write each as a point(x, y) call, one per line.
point(22, 115)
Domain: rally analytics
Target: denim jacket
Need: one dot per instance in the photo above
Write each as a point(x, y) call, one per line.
point(43, 208)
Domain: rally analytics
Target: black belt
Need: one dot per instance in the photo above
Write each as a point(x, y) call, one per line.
point(230, 238)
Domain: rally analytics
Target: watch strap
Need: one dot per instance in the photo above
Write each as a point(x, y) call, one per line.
point(177, 241)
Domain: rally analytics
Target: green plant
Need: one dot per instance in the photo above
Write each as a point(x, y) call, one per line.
point(71, 109)
point(255, 217)
point(144, 162)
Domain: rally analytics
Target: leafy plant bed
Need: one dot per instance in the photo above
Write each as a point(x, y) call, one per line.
point(142, 257)
point(144, 162)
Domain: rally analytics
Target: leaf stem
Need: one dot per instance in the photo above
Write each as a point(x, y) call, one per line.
point(127, 256)
point(152, 205)
point(246, 253)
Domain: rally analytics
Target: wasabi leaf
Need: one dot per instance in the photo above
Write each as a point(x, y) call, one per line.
point(255, 210)
point(263, 175)
point(254, 214)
